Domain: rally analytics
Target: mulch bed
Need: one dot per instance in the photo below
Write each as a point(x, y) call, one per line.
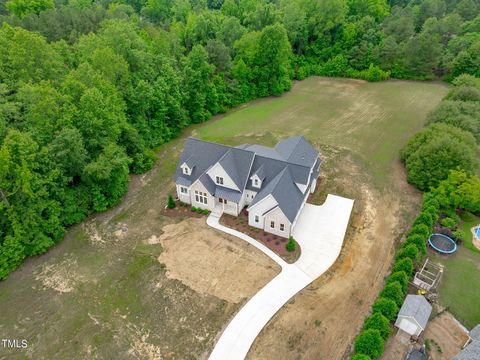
point(273, 242)
point(181, 210)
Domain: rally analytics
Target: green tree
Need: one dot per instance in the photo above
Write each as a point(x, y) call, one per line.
point(386, 307)
point(369, 342)
point(405, 265)
point(22, 8)
point(273, 61)
point(378, 322)
point(394, 292)
point(400, 277)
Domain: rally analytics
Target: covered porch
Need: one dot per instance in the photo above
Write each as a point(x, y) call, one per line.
point(227, 201)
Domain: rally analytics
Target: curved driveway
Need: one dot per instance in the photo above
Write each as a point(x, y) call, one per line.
point(320, 231)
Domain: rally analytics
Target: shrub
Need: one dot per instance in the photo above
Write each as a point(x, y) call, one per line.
point(420, 229)
point(394, 292)
point(194, 209)
point(405, 265)
point(459, 236)
point(419, 241)
point(290, 246)
point(171, 202)
point(369, 342)
point(449, 222)
point(386, 307)
point(205, 211)
point(378, 322)
point(360, 357)
point(424, 218)
point(409, 251)
point(400, 277)
point(433, 212)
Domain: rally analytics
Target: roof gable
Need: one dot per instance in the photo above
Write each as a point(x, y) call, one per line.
point(416, 307)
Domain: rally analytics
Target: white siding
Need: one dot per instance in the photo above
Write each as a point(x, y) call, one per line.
point(314, 185)
point(210, 199)
point(185, 198)
point(409, 325)
point(259, 209)
point(218, 170)
point(249, 196)
point(252, 181)
point(278, 217)
point(301, 187)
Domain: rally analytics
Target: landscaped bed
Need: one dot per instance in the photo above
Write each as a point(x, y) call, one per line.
point(184, 210)
point(273, 242)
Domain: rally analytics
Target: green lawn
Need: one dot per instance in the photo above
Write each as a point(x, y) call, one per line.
point(374, 120)
point(469, 221)
point(460, 286)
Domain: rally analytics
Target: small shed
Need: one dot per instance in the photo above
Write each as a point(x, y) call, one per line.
point(413, 316)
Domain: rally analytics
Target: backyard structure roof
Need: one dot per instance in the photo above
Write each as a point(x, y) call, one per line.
point(470, 352)
point(417, 307)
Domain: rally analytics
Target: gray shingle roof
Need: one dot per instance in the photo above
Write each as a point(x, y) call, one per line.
point(279, 168)
point(297, 150)
point(475, 333)
point(418, 307)
point(228, 194)
point(471, 352)
point(416, 355)
point(282, 187)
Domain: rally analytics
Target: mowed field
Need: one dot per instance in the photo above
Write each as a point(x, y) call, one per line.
point(131, 283)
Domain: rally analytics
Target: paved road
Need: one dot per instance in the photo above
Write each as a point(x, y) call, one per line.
point(320, 231)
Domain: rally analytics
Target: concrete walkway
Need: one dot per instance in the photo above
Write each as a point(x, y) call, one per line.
point(320, 231)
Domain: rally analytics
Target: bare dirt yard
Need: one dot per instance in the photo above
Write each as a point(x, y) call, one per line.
point(132, 283)
point(446, 337)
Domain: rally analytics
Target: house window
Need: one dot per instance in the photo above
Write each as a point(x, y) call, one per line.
point(219, 180)
point(183, 190)
point(282, 227)
point(256, 218)
point(272, 224)
point(200, 197)
point(185, 170)
point(255, 182)
point(222, 201)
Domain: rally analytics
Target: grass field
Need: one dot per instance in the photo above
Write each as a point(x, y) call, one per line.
point(459, 288)
point(103, 290)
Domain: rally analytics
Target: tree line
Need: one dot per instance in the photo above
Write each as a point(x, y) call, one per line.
point(89, 88)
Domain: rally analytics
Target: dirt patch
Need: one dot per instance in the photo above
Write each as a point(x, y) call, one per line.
point(446, 336)
point(216, 259)
point(61, 277)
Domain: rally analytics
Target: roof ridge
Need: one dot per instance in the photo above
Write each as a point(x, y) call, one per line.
point(222, 145)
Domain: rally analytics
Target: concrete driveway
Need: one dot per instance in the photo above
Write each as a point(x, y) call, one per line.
point(320, 230)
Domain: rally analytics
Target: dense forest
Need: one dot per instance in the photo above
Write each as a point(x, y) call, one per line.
point(89, 88)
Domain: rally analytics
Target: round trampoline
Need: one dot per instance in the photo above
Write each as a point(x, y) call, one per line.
point(442, 243)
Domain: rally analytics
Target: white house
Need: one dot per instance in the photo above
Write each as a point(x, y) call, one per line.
point(413, 315)
point(273, 183)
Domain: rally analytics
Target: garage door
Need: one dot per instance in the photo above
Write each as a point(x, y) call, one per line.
point(408, 326)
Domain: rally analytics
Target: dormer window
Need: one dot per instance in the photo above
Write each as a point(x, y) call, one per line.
point(186, 170)
point(219, 180)
point(256, 182)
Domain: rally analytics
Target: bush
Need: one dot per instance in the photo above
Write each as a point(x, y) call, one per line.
point(394, 292)
point(360, 357)
point(420, 229)
point(432, 212)
point(409, 251)
point(290, 246)
point(449, 222)
point(171, 202)
point(205, 212)
point(369, 342)
point(405, 265)
point(378, 322)
point(400, 277)
point(425, 218)
point(386, 307)
point(459, 236)
point(434, 151)
point(193, 209)
point(419, 241)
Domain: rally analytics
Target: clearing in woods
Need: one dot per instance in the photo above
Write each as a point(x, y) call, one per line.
point(119, 284)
